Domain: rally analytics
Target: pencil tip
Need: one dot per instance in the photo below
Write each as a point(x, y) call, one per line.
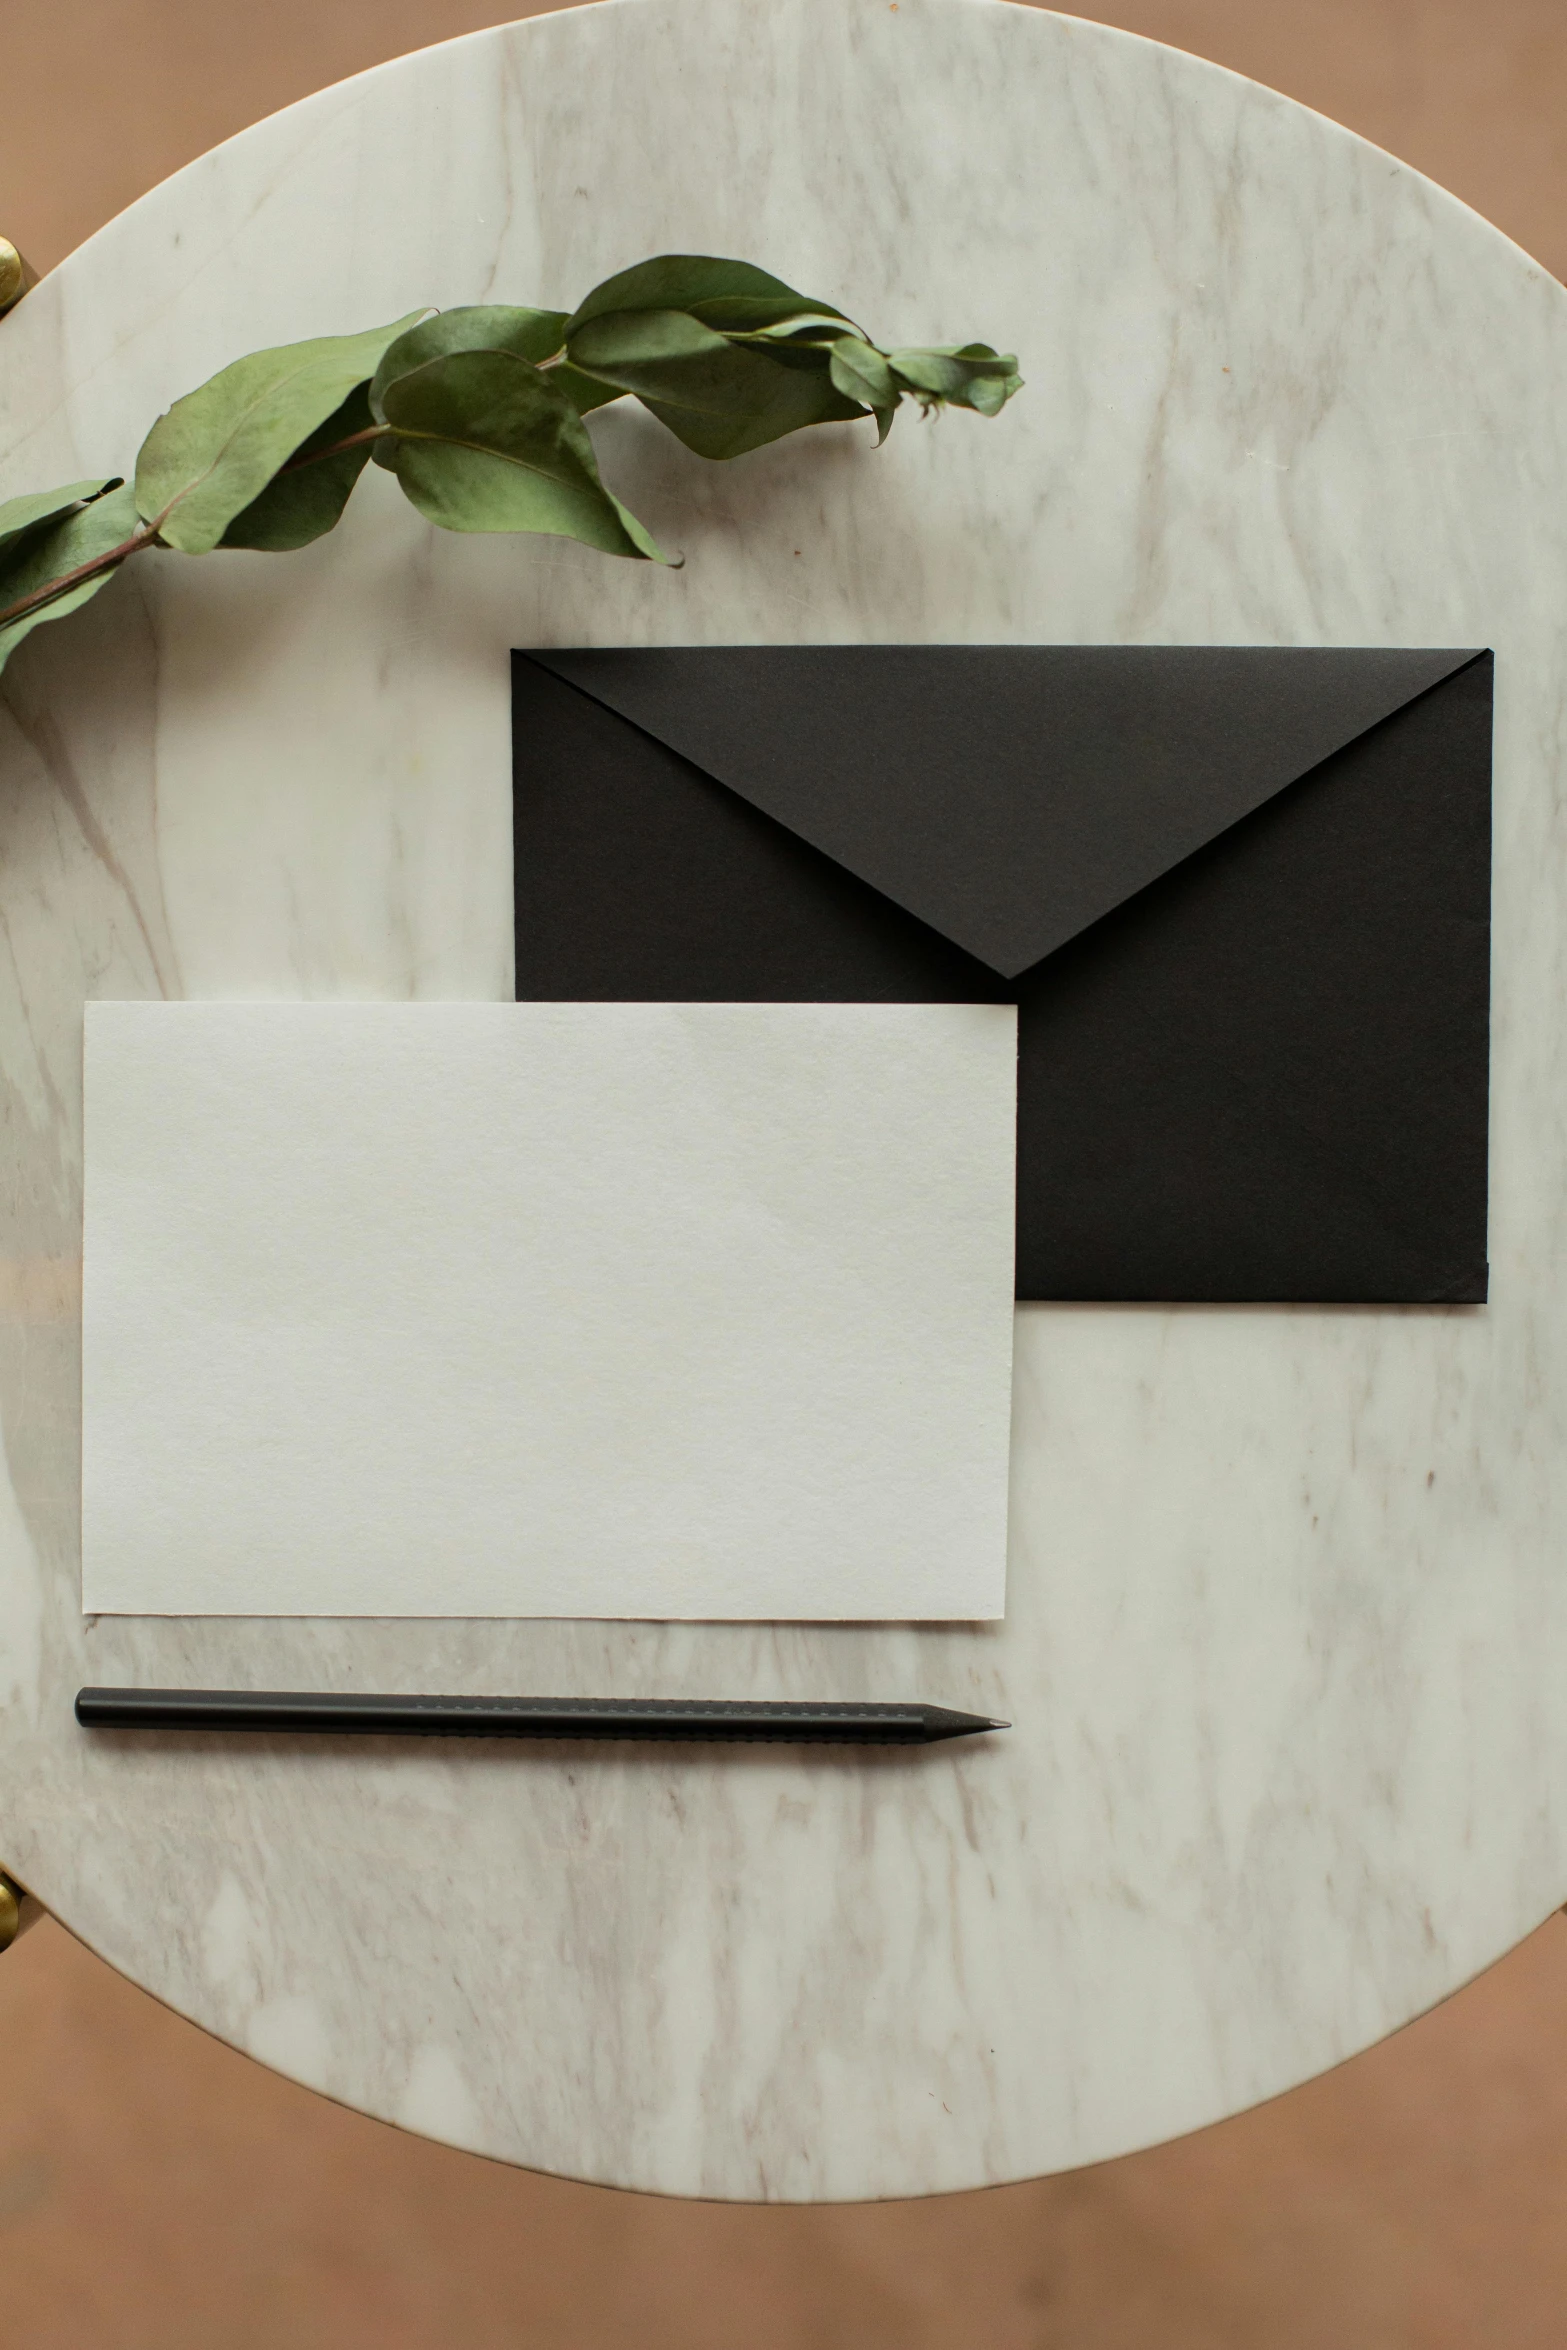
point(943, 1721)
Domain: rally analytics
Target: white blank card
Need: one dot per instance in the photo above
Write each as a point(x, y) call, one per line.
point(662, 1310)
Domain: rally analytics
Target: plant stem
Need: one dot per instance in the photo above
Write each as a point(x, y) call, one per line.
point(355, 440)
point(24, 608)
point(48, 594)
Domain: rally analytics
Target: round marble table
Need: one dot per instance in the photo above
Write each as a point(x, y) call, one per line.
point(1287, 1623)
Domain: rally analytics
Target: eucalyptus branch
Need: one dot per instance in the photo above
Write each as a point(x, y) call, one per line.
point(478, 413)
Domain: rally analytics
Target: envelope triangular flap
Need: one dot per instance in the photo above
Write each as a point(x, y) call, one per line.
point(1008, 795)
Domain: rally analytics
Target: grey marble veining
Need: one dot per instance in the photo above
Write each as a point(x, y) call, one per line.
point(1287, 1620)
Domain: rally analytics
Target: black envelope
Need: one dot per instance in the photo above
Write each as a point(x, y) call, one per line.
point(1240, 896)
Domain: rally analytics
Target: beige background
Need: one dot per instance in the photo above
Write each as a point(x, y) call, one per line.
point(155, 2188)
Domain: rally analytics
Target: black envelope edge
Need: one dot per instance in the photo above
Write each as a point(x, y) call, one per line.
point(1261, 1080)
point(1009, 796)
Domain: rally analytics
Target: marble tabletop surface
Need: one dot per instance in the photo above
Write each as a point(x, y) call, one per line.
point(1287, 1622)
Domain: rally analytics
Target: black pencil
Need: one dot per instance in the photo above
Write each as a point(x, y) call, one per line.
point(794, 1722)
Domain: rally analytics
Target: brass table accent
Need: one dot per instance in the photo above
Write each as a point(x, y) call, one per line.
point(18, 1910)
point(15, 275)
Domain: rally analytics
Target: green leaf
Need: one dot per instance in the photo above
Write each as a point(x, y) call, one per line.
point(771, 315)
point(18, 515)
point(483, 441)
point(679, 281)
point(31, 562)
point(210, 456)
point(585, 392)
point(527, 334)
point(719, 398)
point(298, 506)
point(861, 373)
point(971, 375)
point(486, 326)
point(805, 352)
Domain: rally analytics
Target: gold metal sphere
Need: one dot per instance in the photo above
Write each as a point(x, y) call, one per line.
point(10, 1912)
point(15, 276)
